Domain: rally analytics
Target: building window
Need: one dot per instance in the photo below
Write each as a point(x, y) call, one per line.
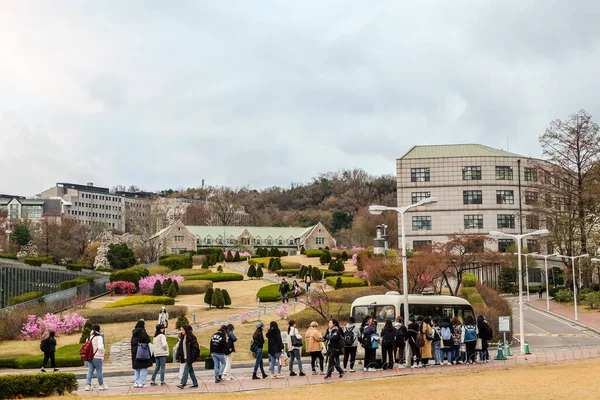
point(505, 197)
point(421, 223)
point(208, 241)
point(418, 196)
point(419, 174)
point(269, 242)
point(506, 221)
point(535, 275)
point(179, 238)
point(257, 242)
point(291, 242)
point(319, 240)
point(531, 198)
point(532, 222)
point(533, 246)
point(504, 244)
point(471, 173)
point(219, 241)
point(504, 173)
point(231, 241)
point(280, 242)
point(530, 174)
point(474, 221)
point(472, 197)
point(420, 244)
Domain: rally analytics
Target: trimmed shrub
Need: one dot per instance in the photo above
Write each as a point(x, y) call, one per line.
point(133, 274)
point(592, 300)
point(336, 265)
point(210, 250)
point(86, 331)
point(564, 296)
point(134, 300)
point(469, 280)
point(66, 356)
point(220, 269)
point(188, 272)
point(24, 297)
point(121, 287)
point(226, 297)
point(159, 270)
point(313, 253)
point(212, 259)
point(229, 256)
point(217, 300)
point(471, 294)
point(37, 385)
point(177, 261)
point(236, 257)
point(345, 282)
point(259, 271)
point(194, 287)
point(120, 256)
point(217, 277)
point(157, 290)
point(302, 250)
point(205, 264)
point(147, 312)
point(9, 256)
point(38, 261)
point(271, 293)
point(181, 321)
point(75, 282)
point(198, 260)
point(78, 267)
point(172, 292)
point(8, 362)
point(316, 274)
point(251, 272)
point(208, 296)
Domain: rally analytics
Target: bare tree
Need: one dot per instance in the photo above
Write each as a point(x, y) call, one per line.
point(197, 214)
point(223, 206)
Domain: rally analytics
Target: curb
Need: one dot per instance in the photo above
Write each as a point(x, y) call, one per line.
point(562, 317)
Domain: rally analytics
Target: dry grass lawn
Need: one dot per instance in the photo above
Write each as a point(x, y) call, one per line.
point(572, 380)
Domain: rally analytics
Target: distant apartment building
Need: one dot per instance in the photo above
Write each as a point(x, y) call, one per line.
point(19, 207)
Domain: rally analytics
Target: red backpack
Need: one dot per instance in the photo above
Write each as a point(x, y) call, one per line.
point(87, 352)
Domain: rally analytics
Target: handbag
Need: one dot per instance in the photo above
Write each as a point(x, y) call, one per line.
point(479, 344)
point(295, 341)
point(143, 352)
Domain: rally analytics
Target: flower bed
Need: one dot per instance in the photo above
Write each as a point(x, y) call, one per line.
point(147, 284)
point(37, 327)
point(121, 287)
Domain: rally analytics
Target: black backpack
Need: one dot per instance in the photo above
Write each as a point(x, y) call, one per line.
point(399, 337)
point(349, 337)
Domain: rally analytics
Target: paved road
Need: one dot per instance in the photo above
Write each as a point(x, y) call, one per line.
point(545, 331)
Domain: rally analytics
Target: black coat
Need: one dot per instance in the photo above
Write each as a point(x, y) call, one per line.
point(49, 345)
point(335, 338)
point(218, 343)
point(139, 336)
point(259, 339)
point(192, 349)
point(387, 337)
point(275, 342)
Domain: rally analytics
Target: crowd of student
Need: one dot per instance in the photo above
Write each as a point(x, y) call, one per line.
point(443, 341)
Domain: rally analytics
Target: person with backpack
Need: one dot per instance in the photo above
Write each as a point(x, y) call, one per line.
point(48, 347)
point(231, 339)
point(256, 347)
point(457, 331)
point(485, 334)
point(218, 348)
point(469, 338)
point(284, 288)
point(400, 341)
point(188, 353)
point(414, 340)
point(369, 331)
point(388, 335)
point(436, 343)
point(294, 345)
point(351, 334)
point(141, 358)
point(95, 358)
point(334, 348)
point(447, 341)
point(163, 317)
point(275, 348)
point(314, 346)
point(161, 352)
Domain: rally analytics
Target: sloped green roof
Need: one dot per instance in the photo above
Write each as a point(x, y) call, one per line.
point(256, 231)
point(455, 150)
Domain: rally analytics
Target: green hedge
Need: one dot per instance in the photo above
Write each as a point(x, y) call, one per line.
point(313, 253)
point(469, 280)
point(66, 356)
point(38, 261)
point(189, 272)
point(82, 280)
point(347, 282)
point(271, 293)
point(133, 300)
point(8, 362)
point(177, 261)
point(38, 385)
point(159, 269)
point(285, 272)
point(78, 267)
point(9, 256)
point(24, 297)
point(147, 312)
point(471, 294)
point(133, 274)
point(216, 277)
point(194, 287)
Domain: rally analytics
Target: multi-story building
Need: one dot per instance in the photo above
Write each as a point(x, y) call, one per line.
point(19, 207)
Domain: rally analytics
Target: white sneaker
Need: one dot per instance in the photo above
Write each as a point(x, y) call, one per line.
point(351, 370)
point(143, 386)
point(103, 387)
point(88, 388)
point(365, 369)
point(371, 370)
point(135, 385)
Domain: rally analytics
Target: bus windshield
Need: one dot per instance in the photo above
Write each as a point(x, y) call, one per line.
point(380, 313)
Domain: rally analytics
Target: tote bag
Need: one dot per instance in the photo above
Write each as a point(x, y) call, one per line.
point(143, 351)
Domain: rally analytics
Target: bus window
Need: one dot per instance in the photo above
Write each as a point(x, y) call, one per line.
point(379, 313)
point(448, 312)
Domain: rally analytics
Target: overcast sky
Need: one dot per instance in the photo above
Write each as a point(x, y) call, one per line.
point(261, 93)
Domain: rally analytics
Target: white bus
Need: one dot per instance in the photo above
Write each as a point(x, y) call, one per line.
point(391, 305)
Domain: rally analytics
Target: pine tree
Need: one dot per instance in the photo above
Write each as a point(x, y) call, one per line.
point(259, 271)
point(229, 257)
point(270, 266)
point(205, 263)
point(217, 299)
point(165, 287)
point(172, 293)
point(181, 321)
point(236, 256)
point(276, 264)
point(316, 274)
point(157, 290)
point(208, 297)
point(251, 272)
point(338, 283)
point(212, 259)
point(302, 272)
point(176, 286)
point(226, 297)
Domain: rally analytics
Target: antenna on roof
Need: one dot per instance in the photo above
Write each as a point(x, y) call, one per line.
point(507, 146)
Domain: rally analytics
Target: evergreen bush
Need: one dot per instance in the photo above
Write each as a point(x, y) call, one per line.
point(338, 283)
point(181, 321)
point(217, 299)
point(205, 264)
point(229, 257)
point(157, 290)
point(251, 272)
point(259, 271)
point(172, 293)
point(208, 297)
point(469, 280)
point(226, 297)
point(86, 331)
point(236, 256)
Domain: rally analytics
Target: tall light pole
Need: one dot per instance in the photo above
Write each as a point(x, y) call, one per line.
point(527, 273)
point(573, 258)
point(377, 210)
point(518, 239)
point(545, 257)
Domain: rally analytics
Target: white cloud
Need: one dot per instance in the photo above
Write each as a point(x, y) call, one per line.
point(265, 93)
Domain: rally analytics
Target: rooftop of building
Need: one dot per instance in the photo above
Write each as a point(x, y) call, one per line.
point(455, 150)
point(256, 231)
point(89, 187)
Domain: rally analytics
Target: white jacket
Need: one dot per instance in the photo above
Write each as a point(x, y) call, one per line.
point(293, 331)
point(161, 347)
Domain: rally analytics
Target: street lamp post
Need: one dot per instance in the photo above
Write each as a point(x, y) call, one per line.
point(573, 258)
point(518, 239)
point(377, 210)
point(527, 273)
point(546, 272)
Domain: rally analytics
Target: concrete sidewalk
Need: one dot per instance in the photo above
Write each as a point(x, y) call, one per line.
point(589, 320)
